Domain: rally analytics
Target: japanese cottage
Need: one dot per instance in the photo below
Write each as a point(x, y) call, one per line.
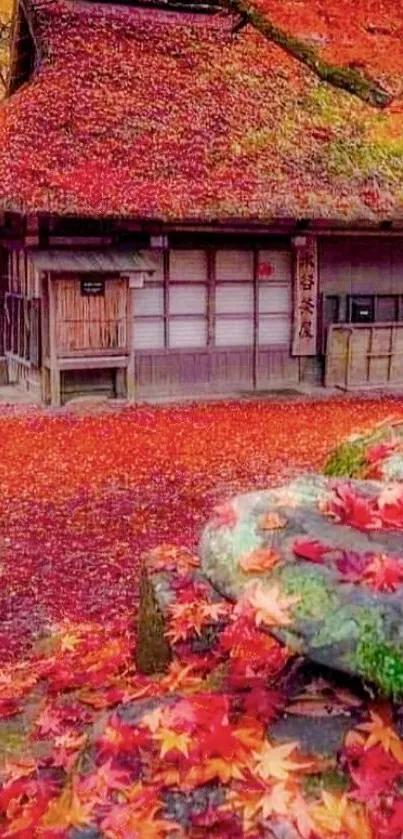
point(187, 208)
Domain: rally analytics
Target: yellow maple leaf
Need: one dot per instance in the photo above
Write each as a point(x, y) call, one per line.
point(69, 641)
point(329, 815)
point(380, 732)
point(273, 761)
point(172, 741)
point(272, 608)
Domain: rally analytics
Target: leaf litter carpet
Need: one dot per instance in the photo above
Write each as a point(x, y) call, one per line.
point(82, 497)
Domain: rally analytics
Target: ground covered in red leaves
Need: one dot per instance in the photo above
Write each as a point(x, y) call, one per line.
point(89, 747)
point(82, 497)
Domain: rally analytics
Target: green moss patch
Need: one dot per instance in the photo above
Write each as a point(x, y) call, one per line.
point(347, 460)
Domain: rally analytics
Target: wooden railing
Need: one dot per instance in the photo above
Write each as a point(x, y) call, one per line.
point(366, 355)
point(21, 332)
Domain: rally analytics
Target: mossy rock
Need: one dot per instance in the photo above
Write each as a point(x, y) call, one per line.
point(351, 458)
point(336, 618)
point(153, 652)
point(347, 460)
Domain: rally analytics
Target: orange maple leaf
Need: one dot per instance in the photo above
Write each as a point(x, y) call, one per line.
point(357, 823)
point(273, 521)
point(214, 611)
point(259, 561)
point(126, 820)
point(379, 730)
point(255, 799)
point(69, 810)
point(180, 677)
point(213, 768)
point(250, 735)
point(185, 619)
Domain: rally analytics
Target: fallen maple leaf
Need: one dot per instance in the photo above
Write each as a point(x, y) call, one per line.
point(273, 761)
point(215, 768)
point(351, 566)
point(372, 770)
point(259, 561)
point(172, 741)
point(310, 549)
point(380, 730)
point(273, 521)
point(271, 606)
point(330, 813)
point(69, 810)
point(351, 508)
point(384, 573)
point(390, 503)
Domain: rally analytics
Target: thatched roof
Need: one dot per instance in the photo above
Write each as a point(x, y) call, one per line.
point(165, 115)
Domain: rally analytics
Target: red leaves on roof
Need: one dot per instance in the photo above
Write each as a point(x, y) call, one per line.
point(147, 114)
point(365, 34)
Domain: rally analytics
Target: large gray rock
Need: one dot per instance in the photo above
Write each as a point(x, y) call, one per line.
point(349, 609)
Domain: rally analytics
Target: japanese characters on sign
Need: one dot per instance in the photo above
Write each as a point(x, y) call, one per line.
point(93, 287)
point(306, 297)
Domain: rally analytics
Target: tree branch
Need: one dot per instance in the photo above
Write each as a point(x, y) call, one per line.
point(350, 80)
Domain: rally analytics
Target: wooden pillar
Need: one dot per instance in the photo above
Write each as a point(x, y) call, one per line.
point(255, 370)
point(55, 390)
point(130, 370)
point(166, 269)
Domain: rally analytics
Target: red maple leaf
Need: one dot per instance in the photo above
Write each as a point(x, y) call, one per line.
point(373, 771)
point(264, 704)
point(120, 738)
point(384, 573)
point(379, 451)
point(251, 650)
point(391, 507)
point(387, 821)
point(351, 566)
point(310, 549)
point(359, 511)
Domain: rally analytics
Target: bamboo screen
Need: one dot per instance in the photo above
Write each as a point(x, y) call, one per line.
point(90, 323)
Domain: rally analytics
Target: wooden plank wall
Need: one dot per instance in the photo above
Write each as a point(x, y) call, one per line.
point(90, 324)
point(360, 265)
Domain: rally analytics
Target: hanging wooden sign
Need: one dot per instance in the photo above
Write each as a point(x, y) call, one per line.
point(305, 298)
point(92, 287)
